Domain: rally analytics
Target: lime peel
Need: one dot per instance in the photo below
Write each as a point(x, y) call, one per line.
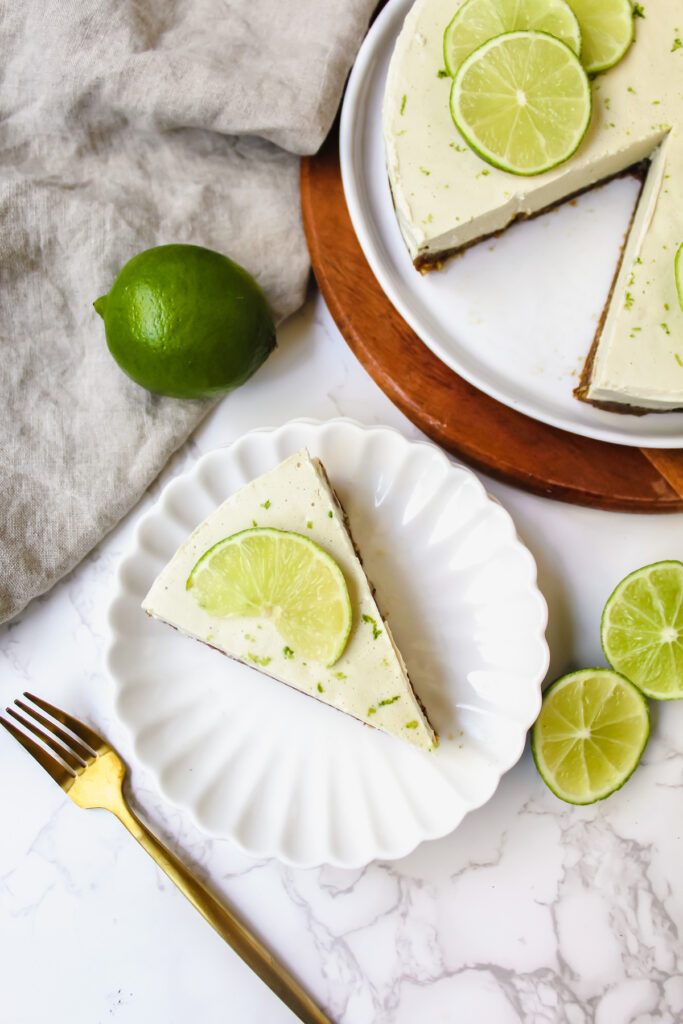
point(678, 270)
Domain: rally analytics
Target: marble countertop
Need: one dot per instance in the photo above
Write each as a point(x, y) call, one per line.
point(531, 911)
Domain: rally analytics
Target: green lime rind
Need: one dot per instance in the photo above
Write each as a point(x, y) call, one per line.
point(186, 322)
point(607, 31)
point(678, 271)
point(557, 85)
point(477, 21)
point(642, 629)
point(262, 572)
point(590, 735)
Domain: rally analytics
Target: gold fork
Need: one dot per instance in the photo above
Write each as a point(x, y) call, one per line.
point(91, 773)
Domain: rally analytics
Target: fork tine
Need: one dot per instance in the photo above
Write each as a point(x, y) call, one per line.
point(87, 735)
point(78, 749)
point(73, 762)
point(62, 776)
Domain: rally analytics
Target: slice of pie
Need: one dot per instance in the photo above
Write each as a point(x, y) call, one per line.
point(369, 680)
point(447, 198)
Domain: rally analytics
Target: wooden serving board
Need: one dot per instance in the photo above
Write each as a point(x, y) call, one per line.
point(466, 422)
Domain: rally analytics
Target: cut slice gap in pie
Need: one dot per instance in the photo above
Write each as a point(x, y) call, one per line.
point(446, 198)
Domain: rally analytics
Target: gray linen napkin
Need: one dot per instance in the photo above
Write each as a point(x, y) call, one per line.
point(126, 124)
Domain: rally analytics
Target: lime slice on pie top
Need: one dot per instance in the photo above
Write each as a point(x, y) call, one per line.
point(283, 576)
point(477, 21)
point(606, 31)
point(642, 629)
point(522, 101)
point(590, 734)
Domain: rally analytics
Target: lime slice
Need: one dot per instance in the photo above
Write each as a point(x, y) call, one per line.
point(522, 101)
point(606, 31)
point(281, 576)
point(477, 21)
point(642, 629)
point(590, 734)
point(678, 270)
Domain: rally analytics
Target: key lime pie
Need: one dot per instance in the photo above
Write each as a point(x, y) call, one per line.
point(272, 579)
point(447, 197)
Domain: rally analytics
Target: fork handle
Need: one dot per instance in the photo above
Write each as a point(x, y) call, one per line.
point(244, 942)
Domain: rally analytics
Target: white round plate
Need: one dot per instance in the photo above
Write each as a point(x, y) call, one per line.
point(283, 775)
point(516, 315)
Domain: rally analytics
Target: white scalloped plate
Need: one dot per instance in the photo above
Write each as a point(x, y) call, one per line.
point(285, 776)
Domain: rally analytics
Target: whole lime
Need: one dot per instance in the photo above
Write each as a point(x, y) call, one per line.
point(186, 321)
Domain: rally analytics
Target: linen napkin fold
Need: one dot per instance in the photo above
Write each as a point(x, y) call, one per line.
point(125, 125)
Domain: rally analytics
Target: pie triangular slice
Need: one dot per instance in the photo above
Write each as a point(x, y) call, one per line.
point(369, 681)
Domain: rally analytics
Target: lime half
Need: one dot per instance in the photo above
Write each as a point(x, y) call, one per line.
point(522, 101)
point(642, 629)
point(590, 734)
point(606, 31)
point(281, 576)
point(477, 21)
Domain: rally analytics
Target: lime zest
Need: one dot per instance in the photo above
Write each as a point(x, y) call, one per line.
point(261, 660)
point(376, 631)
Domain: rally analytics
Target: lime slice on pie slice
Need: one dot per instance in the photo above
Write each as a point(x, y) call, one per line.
point(272, 579)
point(522, 101)
point(590, 734)
point(606, 31)
point(477, 21)
point(642, 629)
point(282, 576)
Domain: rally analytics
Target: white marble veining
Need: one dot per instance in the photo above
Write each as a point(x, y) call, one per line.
point(532, 912)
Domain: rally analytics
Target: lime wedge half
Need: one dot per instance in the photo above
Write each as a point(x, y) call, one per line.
point(606, 31)
point(642, 629)
point(522, 101)
point(480, 20)
point(590, 734)
point(281, 576)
